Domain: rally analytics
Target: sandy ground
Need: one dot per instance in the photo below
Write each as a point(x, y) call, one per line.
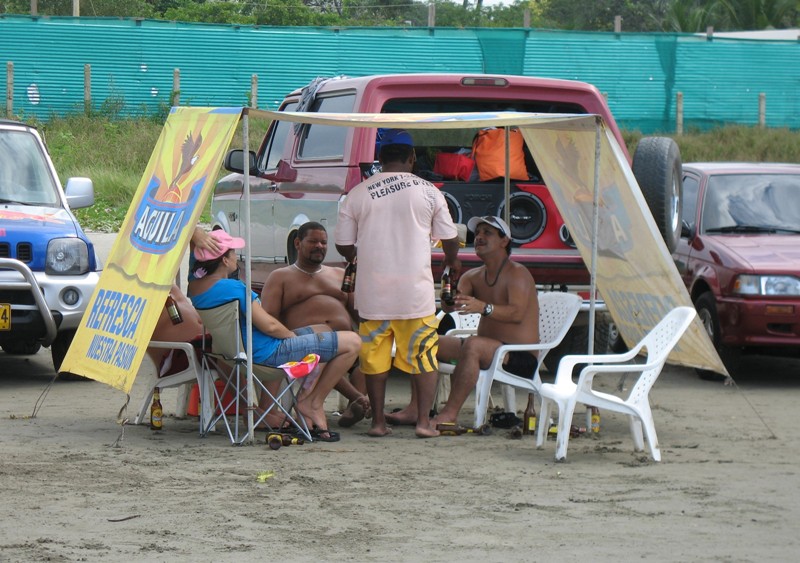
point(727, 488)
point(77, 486)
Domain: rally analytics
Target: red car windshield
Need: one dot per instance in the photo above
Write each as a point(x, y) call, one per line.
point(752, 203)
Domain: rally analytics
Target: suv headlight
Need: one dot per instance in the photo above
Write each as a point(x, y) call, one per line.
point(67, 257)
point(766, 285)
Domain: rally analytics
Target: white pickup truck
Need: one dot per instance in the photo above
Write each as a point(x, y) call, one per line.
point(302, 171)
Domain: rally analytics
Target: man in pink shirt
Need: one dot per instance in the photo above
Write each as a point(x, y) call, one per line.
point(391, 220)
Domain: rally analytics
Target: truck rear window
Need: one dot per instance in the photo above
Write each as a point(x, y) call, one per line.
point(430, 142)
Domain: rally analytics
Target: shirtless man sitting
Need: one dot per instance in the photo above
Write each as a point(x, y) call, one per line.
point(309, 293)
point(190, 330)
point(505, 294)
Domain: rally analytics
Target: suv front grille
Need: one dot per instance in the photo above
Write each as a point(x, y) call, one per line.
point(17, 296)
point(24, 251)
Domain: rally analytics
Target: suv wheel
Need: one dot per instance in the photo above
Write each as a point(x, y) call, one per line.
point(706, 307)
point(658, 170)
point(21, 347)
point(58, 349)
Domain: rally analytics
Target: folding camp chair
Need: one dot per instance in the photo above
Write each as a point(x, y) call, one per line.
point(227, 347)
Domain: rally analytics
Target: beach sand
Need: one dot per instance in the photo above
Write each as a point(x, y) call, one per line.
point(77, 486)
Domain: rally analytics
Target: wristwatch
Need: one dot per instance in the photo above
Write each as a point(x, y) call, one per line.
point(487, 309)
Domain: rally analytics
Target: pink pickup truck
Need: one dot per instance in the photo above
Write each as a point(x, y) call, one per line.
point(304, 170)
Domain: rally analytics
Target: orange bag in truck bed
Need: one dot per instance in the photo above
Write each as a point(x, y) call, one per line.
point(489, 152)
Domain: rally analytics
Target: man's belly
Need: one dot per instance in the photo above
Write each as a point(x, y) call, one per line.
point(318, 309)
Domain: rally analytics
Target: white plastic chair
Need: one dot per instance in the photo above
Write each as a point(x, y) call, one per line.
point(222, 322)
point(193, 372)
point(464, 325)
point(557, 312)
point(565, 394)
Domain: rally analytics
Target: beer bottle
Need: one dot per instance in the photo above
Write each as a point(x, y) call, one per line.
point(174, 312)
point(595, 419)
point(289, 440)
point(156, 411)
point(349, 280)
point(274, 441)
point(446, 292)
point(529, 417)
point(552, 429)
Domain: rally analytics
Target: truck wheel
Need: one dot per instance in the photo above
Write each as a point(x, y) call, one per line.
point(616, 344)
point(21, 347)
point(291, 251)
point(58, 349)
point(658, 170)
point(576, 341)
point(706, 307)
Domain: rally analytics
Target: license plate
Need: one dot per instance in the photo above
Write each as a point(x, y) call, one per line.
point(5, 316)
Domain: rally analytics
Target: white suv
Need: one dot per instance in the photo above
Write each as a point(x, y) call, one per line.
point(48, 267)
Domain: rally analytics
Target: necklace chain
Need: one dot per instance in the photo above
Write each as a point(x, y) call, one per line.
point(318, 270)
point(486, 274)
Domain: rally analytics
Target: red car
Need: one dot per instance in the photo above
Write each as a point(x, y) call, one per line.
point(739, 255)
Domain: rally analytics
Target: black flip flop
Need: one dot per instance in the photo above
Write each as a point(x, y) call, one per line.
point(324, 435)
point(504, 420)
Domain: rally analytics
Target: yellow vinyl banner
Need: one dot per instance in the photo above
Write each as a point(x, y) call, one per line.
point(634, 270)
point(122, 313)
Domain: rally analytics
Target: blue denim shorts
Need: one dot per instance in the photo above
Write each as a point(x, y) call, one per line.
point(325, 344)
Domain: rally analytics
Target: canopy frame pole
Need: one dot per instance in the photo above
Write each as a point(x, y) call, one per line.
point(251, 391)
point(507, 183)
point(595, 228)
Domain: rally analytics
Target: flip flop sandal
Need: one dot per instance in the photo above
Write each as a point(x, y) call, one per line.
point(324, 435)
point(504, 420)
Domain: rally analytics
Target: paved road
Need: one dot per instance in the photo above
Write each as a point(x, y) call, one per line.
point(104, 241)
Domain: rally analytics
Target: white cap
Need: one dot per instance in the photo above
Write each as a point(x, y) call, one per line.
point(495, 222)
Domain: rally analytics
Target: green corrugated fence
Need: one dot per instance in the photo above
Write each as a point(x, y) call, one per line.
point(131, 65)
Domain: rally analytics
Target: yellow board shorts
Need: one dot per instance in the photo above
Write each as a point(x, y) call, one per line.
point(417, 343)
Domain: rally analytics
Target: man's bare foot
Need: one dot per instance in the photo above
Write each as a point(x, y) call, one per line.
point(379, 431)
point(367, 406)
point(271, 421)
point(423, 431)
point(404, 417)
point(352, 414)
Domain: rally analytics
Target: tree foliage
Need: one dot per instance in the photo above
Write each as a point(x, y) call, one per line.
point(588, 15)
point(693, 16)
point(93, 8)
